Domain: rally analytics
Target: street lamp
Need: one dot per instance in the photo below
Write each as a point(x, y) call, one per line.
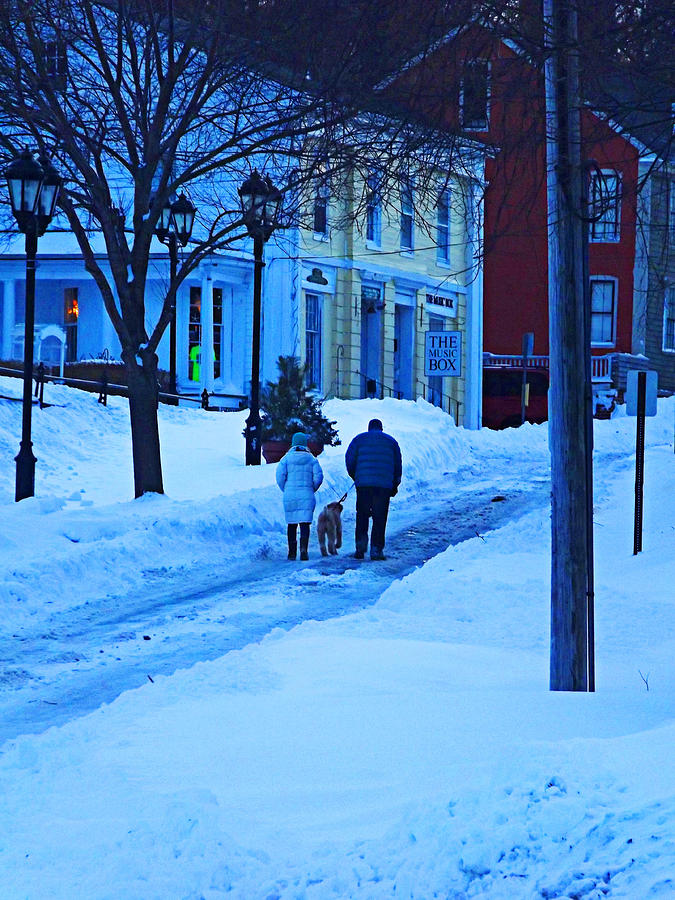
point(33, 192)
point(174, 226)
point(260, 206)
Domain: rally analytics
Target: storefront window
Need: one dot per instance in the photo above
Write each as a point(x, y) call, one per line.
point(71, 314)
point(195, 333)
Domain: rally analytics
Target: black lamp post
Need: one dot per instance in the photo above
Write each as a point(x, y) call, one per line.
point(33, 192)
point(174, 226)
point(260, 204)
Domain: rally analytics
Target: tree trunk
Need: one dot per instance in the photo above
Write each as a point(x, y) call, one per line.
point(143, 402)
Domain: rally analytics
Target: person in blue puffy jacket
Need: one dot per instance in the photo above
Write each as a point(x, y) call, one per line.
point(299, 476)
point(373, 460)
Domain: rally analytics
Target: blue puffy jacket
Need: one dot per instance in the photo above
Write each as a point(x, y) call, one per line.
point(299, 475)
point(373, 459)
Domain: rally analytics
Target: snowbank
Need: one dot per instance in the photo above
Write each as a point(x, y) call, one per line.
point(408, 750)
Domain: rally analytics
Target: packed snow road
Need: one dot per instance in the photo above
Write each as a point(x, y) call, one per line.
point(79, 658)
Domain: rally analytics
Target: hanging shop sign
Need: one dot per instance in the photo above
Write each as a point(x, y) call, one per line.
point(443, 353)
point(438, 300)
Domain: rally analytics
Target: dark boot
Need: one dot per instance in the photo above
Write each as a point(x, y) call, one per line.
point(304, 540)
point(291, 533)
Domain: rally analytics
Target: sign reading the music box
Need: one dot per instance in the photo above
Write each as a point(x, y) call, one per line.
point(443, 353)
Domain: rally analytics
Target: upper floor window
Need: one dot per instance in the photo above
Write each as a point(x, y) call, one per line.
point(56, 62)
point(671, 213)
point(603, 310)
point(474, 95)
point(373, 209)
point(605, 206)
point(321, 210)
point(443, 227)
point(669, 319)
point(407, 215)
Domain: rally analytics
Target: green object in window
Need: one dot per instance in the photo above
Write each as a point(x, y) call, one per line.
point(195, 361)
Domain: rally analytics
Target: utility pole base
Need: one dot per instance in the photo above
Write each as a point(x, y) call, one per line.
point(252, 436)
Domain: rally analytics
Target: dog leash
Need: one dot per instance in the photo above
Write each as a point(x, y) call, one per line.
point(344, 496)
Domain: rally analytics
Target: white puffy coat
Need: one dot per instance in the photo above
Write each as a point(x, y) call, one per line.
point(299, 475)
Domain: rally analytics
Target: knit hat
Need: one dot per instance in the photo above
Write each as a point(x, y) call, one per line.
point(299, 439)
point(374, 425)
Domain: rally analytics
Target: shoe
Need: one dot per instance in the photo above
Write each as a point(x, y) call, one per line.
point(304, 555)
point(359, 554)
point(377, 554)
point(292, 554)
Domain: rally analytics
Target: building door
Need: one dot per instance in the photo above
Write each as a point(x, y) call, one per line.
point(403, 351)
point(371, 338)
point(435, 394)
point(71, 313)
point(313, 354)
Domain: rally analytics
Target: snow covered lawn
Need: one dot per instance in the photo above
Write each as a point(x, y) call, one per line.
point(410, 750)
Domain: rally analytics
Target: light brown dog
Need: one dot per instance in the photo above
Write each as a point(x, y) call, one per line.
point(330, 526)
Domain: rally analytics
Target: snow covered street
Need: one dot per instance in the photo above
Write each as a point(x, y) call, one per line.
point(229, 724)
point(76, 660)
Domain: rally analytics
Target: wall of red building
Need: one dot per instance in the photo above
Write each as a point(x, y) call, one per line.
point(516, 251)
point(515, 283)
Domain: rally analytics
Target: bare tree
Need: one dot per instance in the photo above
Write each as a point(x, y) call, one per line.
point(139, 101)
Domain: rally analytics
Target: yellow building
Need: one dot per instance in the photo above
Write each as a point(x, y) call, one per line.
point(376, 276)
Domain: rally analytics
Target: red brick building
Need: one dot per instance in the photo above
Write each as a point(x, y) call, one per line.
point(489, 89)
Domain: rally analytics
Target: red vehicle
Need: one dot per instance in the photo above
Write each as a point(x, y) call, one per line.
point(502, 391)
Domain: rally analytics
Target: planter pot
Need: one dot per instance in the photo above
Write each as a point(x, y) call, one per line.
point(274, 450)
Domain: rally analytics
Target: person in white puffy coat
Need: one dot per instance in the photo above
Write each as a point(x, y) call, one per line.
point(299, 476)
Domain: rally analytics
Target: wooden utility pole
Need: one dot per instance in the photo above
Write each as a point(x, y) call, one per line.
point(570, 528)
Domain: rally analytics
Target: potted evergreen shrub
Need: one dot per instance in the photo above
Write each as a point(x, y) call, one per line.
point(286, 407)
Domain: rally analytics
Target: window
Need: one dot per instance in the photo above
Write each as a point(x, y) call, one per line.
point(443, 227)
point(313, 340)
point(56, 63)
point(605, 206)
point(407, 215)
point(669, 319)
point(373, 210)
point(321, 210)
point(71, 314)
point(217, 330)
point(671, 213)
point(603, 309)
point(474, 96)
point(195, 333)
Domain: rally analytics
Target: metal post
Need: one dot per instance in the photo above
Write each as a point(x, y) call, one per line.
point(25, 460)
point(639, 461)
point(252, 432)
point(173, 267)
point(527, 346)
point(40, 384)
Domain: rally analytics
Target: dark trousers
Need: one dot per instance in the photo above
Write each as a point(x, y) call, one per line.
point(371, 502)
point(292, 533)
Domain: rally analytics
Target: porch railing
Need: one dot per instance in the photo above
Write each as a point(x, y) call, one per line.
point(601, 366)
point(105, 388)
point(442, 401)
